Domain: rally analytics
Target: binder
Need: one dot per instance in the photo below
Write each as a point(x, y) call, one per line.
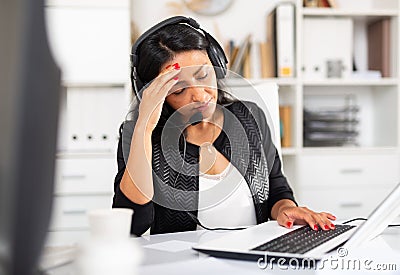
point(264, 60)
point(246, 67)
point(323, 4)
point(332, 4)
point(63, 131)
point(285, 39)
point(74, 112)
point(285, 114)
point(269, 47)
point(378, 33)
point(255, 60)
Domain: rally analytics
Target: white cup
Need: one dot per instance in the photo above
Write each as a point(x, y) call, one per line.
point(110, 224)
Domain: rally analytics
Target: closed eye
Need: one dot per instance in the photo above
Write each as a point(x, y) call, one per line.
point(178, 92)
point(202, 77)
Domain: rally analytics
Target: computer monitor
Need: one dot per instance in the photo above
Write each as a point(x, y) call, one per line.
point(29, 102)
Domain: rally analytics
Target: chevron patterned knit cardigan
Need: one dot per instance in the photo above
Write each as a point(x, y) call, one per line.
point(251, 151)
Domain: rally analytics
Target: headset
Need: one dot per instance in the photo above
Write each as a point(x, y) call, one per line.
point(215, 52)
point(218, 60)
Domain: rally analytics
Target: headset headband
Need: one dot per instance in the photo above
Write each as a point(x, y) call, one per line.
point(215, 51)
point(170, 21)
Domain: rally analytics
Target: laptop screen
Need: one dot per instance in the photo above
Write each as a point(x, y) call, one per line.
point(378, 220)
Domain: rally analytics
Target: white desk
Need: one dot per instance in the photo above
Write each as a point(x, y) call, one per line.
point(172, 254)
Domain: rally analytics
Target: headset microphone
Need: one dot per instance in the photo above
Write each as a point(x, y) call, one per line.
point(195, 119)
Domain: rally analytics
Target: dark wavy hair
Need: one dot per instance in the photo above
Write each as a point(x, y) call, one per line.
point(161, 47)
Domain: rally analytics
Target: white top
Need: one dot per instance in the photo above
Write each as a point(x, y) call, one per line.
point(225, 200)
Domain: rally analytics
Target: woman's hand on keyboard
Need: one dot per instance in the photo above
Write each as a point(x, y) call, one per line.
point(288, 214)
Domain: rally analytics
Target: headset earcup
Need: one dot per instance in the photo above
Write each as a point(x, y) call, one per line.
point(137, 86)
point(218, 66)
point(217, 56)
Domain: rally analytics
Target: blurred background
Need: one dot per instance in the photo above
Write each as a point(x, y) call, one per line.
point(336, 64)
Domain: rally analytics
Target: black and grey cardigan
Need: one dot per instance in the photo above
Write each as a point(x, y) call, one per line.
point(245, 141)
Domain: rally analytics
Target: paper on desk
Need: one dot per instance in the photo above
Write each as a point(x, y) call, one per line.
point(373, 257)
point(56, 256)
point(171, 246)
point(203, 266)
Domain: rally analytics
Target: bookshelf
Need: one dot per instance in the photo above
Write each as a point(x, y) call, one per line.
point(378, 98)
point(330, 174)
point(348, 12)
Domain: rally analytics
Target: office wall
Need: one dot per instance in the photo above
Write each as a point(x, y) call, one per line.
point(239, 20)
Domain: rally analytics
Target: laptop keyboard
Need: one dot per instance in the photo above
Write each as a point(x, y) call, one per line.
point(301, 240)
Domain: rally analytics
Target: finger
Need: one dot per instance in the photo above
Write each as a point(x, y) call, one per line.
point(165, 89)
point(310, 220)
point(170, 67)
point(323, 221)
point(302, 214)
point(169, 71)
point(331, 217)
point(159, 89)
point(164, 78)
point(285, 221)
point(327, 217)
point(328, 225)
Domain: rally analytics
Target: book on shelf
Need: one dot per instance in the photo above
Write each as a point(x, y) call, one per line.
point(268, 60)
point(285, 18)
point(246, 67)
point(232, 53)
point(239, 58)
point(332, 3)
point(268, 48)
point(310, 3)
point(320, 3)
point(255, 59)
point(378, 33)
point(323, 4)
point(285, 116)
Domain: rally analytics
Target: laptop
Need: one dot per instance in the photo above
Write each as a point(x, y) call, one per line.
point(301, 242)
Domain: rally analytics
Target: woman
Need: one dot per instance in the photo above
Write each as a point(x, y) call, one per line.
point(231, 174)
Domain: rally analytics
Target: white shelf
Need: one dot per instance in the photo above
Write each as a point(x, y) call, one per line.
point(244, 81)
point(280, 81)
point(82, 193)
point(352, 82)
point(351, 13)
point(97, 84)
point(294, 151)
point(88, 3)
point(86, 154)
point(347, 150)
point(286, 81)
point(289, 151)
